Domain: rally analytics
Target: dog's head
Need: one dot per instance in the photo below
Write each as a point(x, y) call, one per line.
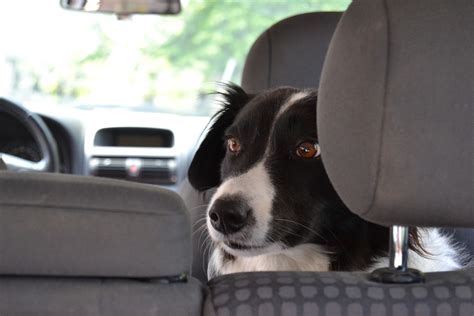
point(262, 153)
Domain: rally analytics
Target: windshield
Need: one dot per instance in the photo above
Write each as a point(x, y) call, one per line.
point(154, 63)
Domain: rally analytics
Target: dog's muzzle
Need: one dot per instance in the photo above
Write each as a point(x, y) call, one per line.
point(229, 215)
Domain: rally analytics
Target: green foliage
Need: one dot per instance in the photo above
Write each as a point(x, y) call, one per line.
point(165, 62)
point(103, 49)
point(215, 31)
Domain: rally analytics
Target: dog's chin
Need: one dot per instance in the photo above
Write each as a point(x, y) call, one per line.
point(249, 250)
point(240, 246)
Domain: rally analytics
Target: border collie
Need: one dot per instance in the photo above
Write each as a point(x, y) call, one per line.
point(275, 208)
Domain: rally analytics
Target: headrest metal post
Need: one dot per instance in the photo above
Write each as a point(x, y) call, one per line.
point(398, 271)
point(399, 248)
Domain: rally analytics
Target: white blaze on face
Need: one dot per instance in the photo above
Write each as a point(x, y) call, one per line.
point(255, 187)
point(291, 101)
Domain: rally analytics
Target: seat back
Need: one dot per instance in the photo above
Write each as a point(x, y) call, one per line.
point(290, 53)
point(338, 293)
point(396, 96)
point(75, 245)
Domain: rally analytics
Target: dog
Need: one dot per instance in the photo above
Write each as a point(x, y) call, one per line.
point(275, 208)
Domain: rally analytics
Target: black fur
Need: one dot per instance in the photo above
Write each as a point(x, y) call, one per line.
point(204, 172)
point(304, 194)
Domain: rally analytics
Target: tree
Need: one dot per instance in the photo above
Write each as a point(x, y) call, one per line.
point(214, 31)
point(164, 62)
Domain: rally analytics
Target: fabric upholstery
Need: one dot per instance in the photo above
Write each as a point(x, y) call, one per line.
point(395, 111)
point(291, 52)
point(197, 203)
point(98, 297)
point(62, 225)
point(343, 293)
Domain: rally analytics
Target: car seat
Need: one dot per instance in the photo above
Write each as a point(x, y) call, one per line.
point(72, 245)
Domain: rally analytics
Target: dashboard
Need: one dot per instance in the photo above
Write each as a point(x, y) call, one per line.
point(144, 147)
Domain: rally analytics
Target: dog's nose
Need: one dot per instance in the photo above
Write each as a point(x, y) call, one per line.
point(228, 216)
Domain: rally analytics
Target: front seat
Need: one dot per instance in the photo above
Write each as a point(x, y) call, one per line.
point(73, 245)
point(291, 52)
point(395, 128)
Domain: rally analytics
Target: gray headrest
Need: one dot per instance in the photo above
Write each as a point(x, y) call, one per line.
point(61, 225)
point(291, 52)
point(395, 111)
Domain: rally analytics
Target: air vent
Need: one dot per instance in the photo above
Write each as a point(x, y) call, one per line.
point(145, 170)
point(111, 173)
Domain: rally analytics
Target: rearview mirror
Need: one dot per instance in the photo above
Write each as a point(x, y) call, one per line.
point(124, 7)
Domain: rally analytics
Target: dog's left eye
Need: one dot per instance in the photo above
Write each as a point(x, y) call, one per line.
point(308, 150)
point(233, 145)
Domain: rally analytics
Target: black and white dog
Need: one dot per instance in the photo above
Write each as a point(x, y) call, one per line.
point(275, 208)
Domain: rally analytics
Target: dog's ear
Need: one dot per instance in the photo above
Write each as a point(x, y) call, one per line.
point(204, 172)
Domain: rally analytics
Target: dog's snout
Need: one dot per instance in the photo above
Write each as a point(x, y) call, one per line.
point(228, 216)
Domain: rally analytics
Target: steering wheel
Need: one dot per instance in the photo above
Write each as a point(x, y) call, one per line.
point(41, 134)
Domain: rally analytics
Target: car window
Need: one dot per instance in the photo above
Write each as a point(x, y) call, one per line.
point(149, 63)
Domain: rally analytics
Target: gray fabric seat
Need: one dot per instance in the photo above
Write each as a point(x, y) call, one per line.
point(291, 52)
point(197, 205)
point(73, 245)
point(98, 296)
point(397, 82)
point(341, 293)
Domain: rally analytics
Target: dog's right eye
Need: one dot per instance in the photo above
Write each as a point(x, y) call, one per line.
point(308, 150)
point(233, 145)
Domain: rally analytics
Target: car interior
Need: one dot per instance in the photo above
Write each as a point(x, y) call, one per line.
point(97, 217)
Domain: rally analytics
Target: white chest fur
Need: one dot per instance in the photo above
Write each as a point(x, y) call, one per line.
point(442, 256)
point(306, 257)
point(441, 253)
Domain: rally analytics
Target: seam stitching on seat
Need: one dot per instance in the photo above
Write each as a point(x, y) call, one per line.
point(88, 209)
point(269, 72)
point(382, 121)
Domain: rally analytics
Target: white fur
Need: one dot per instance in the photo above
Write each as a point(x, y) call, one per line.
point(306, 257)
point(441, 255)
point(293, 99)
point(444, 256)
point(257, 190)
